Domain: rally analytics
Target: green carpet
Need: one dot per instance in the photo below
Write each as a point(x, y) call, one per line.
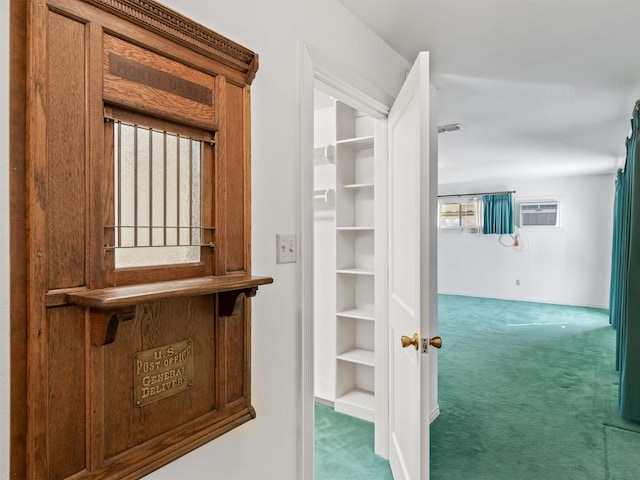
point(527, 391)
point(344, 448)
point(621, 446)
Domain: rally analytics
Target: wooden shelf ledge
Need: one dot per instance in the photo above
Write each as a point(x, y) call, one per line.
point(116, 304)
point(112, 298)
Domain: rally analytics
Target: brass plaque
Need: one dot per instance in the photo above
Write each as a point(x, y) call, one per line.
point(162, 372)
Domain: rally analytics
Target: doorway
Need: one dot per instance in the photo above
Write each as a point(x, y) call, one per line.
point(316, 69)
point(345, 257)
point(348, 255)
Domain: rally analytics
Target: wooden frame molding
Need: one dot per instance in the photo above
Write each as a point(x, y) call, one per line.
point(119, 370)
point(17, 236)
point(176, 27)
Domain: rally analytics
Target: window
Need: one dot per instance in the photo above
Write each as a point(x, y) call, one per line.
point(158, 193)
point(157, 197)
point(464, 214)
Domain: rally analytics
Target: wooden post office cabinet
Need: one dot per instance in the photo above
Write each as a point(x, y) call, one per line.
point(130, 237)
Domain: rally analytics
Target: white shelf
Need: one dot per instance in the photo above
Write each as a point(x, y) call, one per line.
point(358, 397)
point(355, 229)
point(359, 356)
point(358, 314)
point(356, 271)
point(358, 403)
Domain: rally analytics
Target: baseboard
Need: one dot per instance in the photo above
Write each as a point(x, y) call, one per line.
point(434, 413)
point(528, 299)
point(324, 401)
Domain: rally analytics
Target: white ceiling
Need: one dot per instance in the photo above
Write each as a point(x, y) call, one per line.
point(542, 87)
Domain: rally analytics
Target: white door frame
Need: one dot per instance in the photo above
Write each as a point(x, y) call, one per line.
point(363, 95)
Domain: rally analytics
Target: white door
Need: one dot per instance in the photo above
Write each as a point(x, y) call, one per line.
point(411, 283)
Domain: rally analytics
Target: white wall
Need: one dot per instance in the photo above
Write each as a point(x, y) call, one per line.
point(569, 265)
point(4, 239)
point(267, 447)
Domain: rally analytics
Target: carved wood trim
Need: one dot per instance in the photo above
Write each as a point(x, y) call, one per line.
point(178, 28)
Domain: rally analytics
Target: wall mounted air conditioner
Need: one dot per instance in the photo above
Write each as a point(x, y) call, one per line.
point(544, 214)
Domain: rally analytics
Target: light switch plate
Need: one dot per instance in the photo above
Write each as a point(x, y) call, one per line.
point(286, 251)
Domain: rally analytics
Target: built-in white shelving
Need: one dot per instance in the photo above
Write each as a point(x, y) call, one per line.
point(355, 263)
point(344, 201)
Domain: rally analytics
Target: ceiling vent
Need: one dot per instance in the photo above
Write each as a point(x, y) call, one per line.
point(453, 127)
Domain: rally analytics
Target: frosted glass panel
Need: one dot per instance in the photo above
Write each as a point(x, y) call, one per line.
point(157, 197)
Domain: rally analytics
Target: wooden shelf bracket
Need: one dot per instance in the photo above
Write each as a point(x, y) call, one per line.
point(104, 324)
point(116, 304)
point(229, 302)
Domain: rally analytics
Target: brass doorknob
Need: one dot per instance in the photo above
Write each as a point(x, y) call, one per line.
point(406, 341)
point(435, 342)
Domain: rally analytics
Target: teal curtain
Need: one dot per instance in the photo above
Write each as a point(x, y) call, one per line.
point(619, 258)
point(624, 308)
point(497, 213)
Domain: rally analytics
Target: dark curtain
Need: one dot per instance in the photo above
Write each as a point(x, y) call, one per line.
point(624, 308)
point(498, 213)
